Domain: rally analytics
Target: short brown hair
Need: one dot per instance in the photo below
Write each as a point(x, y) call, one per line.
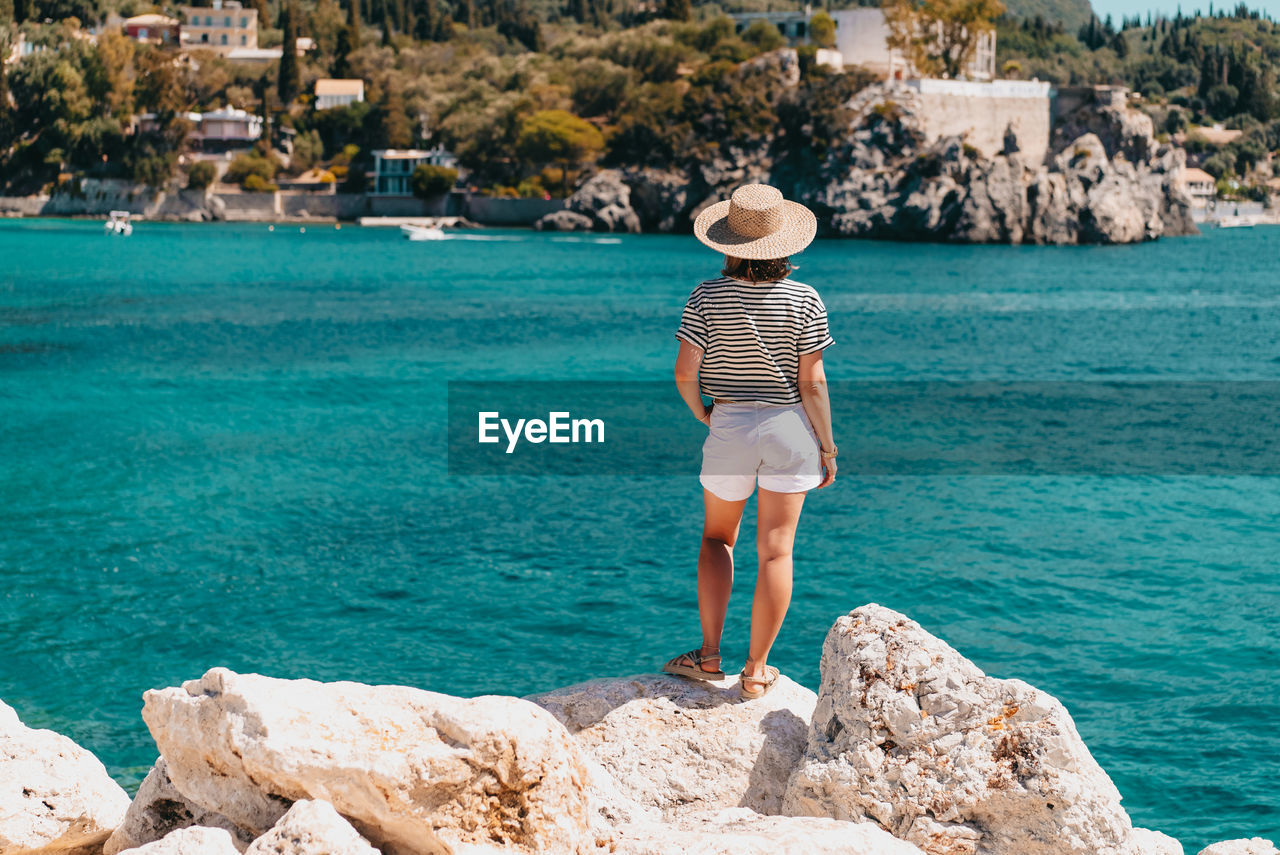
point(757, 269)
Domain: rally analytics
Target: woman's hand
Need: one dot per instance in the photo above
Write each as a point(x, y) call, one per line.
point(706, 418)
point(828, 472)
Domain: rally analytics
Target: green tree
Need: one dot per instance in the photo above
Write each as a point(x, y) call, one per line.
point(308, 151)
point(397, 132)
point(763, 35)
point(429, 180)
point(201, 174)
point(939, 36)
point(424, 21)
point(822, 30)
point(348, 41)
point(558, 136)
point(289, 82)
point(677, 10)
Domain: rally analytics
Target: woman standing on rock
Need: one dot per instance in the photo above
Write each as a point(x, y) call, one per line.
point(752, 340)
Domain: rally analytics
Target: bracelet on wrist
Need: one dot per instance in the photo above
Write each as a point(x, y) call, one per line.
point(828, 454)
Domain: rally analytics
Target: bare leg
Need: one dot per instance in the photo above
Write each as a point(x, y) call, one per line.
point(779, 513)
point(715, 573)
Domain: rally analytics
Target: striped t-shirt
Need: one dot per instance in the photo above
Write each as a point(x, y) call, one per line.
point(753, 335)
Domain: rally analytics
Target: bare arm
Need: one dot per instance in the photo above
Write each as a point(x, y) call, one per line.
point(817, 406)
point(688, 360)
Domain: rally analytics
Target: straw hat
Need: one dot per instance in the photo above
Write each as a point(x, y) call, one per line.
point(756, 222)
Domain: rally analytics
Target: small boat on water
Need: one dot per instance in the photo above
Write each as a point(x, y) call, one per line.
point(118, 224)
point(422, 232)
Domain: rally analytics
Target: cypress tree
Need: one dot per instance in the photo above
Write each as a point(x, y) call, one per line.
point(21, 10)
point(677, 10)
point(424, 22)
point(348, 41)
point(467, 13)
point(290, 81)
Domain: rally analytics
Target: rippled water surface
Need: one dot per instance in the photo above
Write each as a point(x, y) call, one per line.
point(221, 445)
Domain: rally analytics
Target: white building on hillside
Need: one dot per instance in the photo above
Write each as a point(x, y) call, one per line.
point(1200, 186)
point(338, 93)
point(862, 38)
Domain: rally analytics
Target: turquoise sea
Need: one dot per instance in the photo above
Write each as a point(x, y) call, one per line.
point(224, 445)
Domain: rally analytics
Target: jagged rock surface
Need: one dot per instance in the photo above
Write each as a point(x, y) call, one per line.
point(311, 827)
point(740, 831)
point(158, 809)
point(913, 735)
point(55, 797)
point(885, 181)
point(1242, 846)
point(563, 221)
point(417, 772)
point(606, 201)
point(674, 747)
point(195, 840)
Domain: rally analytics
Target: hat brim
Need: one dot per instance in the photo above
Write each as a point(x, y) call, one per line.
point(799, 226)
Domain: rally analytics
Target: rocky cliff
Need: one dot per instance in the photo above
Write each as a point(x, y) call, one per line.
point(1107, 180)
point(907, 748)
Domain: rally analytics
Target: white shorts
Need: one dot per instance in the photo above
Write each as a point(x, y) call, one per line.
point(772, 443)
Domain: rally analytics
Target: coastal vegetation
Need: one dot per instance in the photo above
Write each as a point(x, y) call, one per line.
point(530, 94)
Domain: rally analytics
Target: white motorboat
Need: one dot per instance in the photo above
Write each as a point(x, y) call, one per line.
point(422, 232)
point(118, 224)
point(1238, 221)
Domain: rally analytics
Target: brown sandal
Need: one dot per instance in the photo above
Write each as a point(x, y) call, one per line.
point(771, 677)
point(695, 670)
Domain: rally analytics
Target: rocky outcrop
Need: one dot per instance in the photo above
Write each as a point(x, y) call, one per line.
point(564, 221)
point(603, 204)
point(885, 181)
point(158, 809)
point(913, 735)
point(1243, 846)
point(741, 831)
point(715, 753)
point(417, 772)
point(311, 828)
point(907, 749)
point(55, 797)
point(195, 840)
point(660, 198)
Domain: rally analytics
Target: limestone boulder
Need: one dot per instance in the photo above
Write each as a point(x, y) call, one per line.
point(1144, 841)
point(194, 840)
point(159, 809)
point(913, 735)
point(416, 772)
point(311, 827)
point(1243, 846)
point(55, 797)
point(605, 199)
point(680, 747)
point(660, 199)
point(740, 831)
point(563, 221)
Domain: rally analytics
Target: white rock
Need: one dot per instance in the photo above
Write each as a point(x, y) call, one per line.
point(311, 828)
point(1144, 841)
point(195, 840)
point(913, 735)
point(1243, 846)
point(55, 797)
point(415, 771)
point(739, 831)
point(158, 809)
point(679, 746)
